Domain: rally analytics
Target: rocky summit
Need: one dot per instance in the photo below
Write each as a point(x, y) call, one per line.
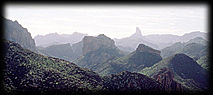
point(166, 77)
point(144, 48)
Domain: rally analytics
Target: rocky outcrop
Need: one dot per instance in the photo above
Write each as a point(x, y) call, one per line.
point(15, 32)
point(91, 43)
point(27, 71)
point(144, 48)
point(166, 78)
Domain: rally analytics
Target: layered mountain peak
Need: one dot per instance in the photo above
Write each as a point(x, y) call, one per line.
point(144, 48)
point(91, 43)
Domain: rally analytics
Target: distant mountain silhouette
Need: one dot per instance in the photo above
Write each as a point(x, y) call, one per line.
point(195, 48)
point(166, 40)
point(27, 71)
point(155, 41)
point(131, 43)
point(56, 39)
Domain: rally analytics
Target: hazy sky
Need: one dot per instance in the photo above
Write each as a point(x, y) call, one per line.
point(115, 21)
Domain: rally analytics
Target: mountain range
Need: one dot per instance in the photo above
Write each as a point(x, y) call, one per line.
point(155, 41)
point(56, 39)
point(195, 48)
point(94, 64)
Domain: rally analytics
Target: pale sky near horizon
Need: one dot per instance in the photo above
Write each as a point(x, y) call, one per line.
point(115, 21)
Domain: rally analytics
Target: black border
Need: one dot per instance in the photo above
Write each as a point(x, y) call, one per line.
point(92, 2)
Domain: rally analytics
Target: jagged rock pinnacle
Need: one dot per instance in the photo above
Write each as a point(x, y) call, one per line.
point(137, 34)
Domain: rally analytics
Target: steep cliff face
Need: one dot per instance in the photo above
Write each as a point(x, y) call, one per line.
point(15, 32)
point(96, 51)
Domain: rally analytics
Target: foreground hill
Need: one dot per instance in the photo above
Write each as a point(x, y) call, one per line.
point(27, 71)
point(183, 70)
